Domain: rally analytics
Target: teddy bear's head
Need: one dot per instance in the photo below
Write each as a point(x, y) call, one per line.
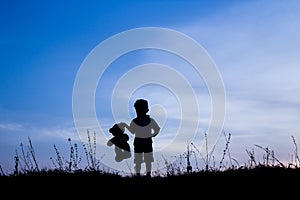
point(116, 130)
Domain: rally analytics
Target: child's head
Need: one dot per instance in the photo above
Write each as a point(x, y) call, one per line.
point(141, 106)
point(116, 130)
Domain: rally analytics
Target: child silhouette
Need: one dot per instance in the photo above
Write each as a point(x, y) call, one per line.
point(144, 128)
point(122, 148)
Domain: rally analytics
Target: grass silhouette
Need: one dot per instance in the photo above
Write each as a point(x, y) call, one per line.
point(67, 175)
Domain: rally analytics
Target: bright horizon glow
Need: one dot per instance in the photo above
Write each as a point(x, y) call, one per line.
point(254, 44)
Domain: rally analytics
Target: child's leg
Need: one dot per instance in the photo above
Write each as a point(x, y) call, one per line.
point(148, 157)
point(138, 157)
point(138, 169)
point(148, 168)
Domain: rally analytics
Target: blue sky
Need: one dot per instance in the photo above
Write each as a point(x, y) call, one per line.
point(254, 44)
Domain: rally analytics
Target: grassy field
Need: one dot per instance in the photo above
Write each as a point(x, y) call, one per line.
point(249, 183)
point(268, 177)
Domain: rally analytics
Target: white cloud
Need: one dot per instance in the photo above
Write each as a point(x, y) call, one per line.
point(256, 48)
point(11, 126)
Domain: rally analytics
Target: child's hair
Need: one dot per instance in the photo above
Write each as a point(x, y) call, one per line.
point(141, 105)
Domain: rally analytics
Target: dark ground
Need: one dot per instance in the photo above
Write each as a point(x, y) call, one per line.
point(260, 182)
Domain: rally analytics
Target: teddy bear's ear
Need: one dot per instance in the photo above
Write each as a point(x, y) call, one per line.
point(113, 129)
point(116, 130)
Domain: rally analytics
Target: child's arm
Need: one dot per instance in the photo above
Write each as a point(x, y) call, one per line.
point(124, 125)
point(155, 127)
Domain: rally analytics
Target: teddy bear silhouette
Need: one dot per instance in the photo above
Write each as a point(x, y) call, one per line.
point(122, 148)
